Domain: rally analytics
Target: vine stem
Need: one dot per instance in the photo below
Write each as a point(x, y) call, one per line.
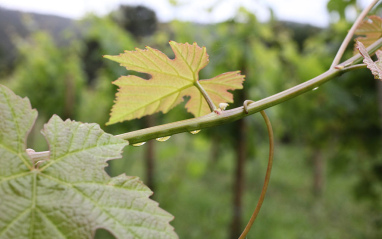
point(213, 119)
point(351, 32)
point(267, 177)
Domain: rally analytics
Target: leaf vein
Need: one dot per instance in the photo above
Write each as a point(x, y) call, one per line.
point(55, 160)
point(14, 220)
point(148, 103)
point(153, 62)
point(54, 225)
point(185, 61)
point(101, 208)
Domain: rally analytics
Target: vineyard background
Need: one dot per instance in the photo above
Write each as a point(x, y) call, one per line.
point(326, 181)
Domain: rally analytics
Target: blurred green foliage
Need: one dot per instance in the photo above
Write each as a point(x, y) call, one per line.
point(44, 68)
point(338, 123)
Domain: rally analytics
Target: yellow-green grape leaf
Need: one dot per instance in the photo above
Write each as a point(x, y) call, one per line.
point(369, 31)
point(374, 67)
point(171, 80)
point(67, 193)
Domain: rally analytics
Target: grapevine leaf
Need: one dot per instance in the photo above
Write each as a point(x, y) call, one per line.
point(171, 80)
point(67, 194)
point(375, 67)
point(369, 31)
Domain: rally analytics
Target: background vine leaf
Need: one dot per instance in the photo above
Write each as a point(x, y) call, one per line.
point(375, 67)
point(369, 31)
point(171, 80)
point(69, 195)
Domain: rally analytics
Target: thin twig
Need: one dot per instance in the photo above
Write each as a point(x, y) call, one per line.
point(354, 67)
point(350, 34)
point(267, 177)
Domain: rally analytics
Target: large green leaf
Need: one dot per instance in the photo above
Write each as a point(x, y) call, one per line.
point(67, 194)
point(171, 80)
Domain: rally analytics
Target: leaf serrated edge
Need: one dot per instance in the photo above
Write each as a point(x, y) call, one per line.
point(33, 113)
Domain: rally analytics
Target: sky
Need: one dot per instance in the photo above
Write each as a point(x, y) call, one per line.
point(304, 11)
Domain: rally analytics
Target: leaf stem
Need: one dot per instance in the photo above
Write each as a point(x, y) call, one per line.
point(267, 176)
point(350, 34)
point(227, 116)
point(205, 95)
